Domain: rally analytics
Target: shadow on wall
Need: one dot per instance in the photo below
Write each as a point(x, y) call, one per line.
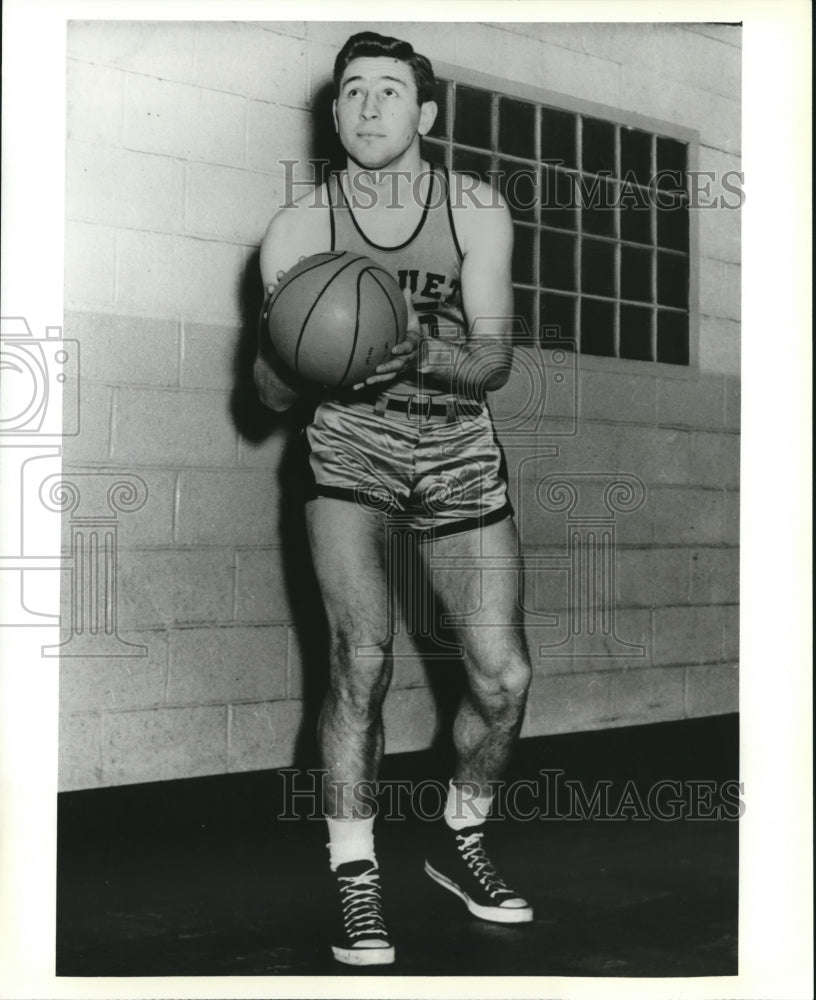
point(252, 419)
point(256, 423)
point(327, 153)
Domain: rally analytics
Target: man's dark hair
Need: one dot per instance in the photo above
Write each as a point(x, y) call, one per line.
point(369, 43)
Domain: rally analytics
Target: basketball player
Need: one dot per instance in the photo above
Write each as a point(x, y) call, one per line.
point(415, 442)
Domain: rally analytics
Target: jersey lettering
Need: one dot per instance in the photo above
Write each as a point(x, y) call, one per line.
point(434, 286)
point(404, 276)
point(432, 281)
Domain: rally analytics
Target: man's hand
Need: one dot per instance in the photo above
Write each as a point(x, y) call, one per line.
point(406, 352)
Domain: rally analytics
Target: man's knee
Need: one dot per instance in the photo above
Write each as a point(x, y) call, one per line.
point(504, 688)
point(360, 670)
point(515, 678)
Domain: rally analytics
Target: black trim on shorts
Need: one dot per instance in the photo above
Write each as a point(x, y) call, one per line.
point(466, 523)
point(316, 490)
point(312, 490)
point(455, 526)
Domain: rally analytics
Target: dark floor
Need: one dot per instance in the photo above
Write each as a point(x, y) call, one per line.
point(200, 878)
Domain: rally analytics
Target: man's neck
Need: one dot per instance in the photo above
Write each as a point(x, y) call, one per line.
point(395, 184)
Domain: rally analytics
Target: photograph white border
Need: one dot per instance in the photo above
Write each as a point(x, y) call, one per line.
point(775, 934)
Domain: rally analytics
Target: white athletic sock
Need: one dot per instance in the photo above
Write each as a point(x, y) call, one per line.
point(350, 840)
point(464, 808)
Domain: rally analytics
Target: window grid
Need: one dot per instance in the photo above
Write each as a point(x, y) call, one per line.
point(653, 228)
point(579, 231)
point(446, 146)
point(616, 330)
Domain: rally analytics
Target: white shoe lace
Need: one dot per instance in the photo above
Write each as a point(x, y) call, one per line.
point(473, 852)
point(360, 897)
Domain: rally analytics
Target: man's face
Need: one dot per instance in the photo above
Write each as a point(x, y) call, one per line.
point(376, 111)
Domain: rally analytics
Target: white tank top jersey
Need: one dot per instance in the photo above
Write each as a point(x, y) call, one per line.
point(428, 262)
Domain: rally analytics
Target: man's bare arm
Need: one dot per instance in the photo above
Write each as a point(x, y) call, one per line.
point(482, 363)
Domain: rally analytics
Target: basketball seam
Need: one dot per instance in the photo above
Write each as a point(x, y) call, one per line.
point(387, 298)
point(306, 270)
point(313, 306)
point(278, 293)
point(356, 327)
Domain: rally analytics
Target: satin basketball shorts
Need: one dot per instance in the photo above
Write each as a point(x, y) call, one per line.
point(438, 476)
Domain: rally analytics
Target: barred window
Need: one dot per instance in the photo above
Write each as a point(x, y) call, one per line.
point(600, 214)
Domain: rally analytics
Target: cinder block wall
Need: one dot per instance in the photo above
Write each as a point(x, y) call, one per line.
point(175, 131)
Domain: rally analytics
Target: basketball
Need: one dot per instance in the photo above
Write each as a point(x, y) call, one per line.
point(334, 317)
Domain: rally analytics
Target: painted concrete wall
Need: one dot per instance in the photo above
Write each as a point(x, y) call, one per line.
point(174, 136)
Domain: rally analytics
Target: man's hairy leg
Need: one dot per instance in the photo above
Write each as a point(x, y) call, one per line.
point(347, 549)
point(487, 600)
point(347, 544)
point(495, 650)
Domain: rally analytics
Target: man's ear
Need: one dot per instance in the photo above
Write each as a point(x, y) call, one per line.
point(427, 116)
point(334, 115)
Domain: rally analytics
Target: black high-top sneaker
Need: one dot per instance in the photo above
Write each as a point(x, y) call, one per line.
point(458, 862)
point(361, 937)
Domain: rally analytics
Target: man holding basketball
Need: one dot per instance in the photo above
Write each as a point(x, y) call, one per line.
point(415, 445)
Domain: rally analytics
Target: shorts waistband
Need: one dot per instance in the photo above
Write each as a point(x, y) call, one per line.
point(424, 407)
